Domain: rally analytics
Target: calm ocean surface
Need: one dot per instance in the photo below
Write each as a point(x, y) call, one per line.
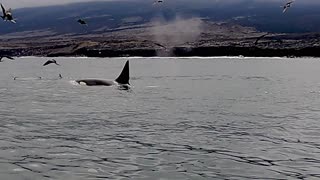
point(227, 118)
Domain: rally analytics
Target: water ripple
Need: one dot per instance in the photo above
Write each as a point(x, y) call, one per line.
point(208, 120)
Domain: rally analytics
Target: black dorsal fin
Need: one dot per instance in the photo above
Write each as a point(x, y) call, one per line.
point(124, 76)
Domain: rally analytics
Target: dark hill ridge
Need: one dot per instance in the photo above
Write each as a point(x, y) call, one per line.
point(204, 38)
point(175, 28)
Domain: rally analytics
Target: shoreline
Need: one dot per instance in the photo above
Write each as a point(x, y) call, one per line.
point(222, 51)
point(172, 57)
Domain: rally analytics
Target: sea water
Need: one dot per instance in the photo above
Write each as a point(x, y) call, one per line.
point(187, 118)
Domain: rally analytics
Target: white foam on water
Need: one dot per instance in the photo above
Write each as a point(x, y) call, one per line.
point(210, 57)
point(83, 83)
point(28, 57)
point(157, 57)
point(18, 170)
point(36, 110)
point(152, 86)
point(73, 82)
point(27, 78)
point(92, 171)
point(64, 154)
point(34, 165)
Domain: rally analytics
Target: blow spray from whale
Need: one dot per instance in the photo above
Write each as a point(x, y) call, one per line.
point(122, 81)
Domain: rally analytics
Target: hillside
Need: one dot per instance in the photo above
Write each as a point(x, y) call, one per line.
point(104, 16)
point(174, 28)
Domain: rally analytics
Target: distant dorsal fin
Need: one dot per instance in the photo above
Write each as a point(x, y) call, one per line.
point(124, 76)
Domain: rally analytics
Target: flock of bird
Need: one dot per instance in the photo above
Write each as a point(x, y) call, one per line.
point(51, 61)
point(7, 14)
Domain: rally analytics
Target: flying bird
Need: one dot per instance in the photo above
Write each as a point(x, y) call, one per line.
point(160, 45)
point(7, 15)
point(52, 61)
point(4, 56)
point(82, 22)
point(286, 6)
point(158, 2)
point(260, 37)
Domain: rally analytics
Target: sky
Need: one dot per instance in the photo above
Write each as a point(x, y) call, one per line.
point(32, 3)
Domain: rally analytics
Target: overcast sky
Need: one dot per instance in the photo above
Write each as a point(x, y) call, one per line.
point(31, 3)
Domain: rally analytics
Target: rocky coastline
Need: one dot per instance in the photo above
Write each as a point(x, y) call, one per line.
point(210, 51)
point(218, 39)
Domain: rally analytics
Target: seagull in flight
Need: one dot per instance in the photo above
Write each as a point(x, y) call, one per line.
point(52, 61)
point(157, 2)
point(4, 56)
point(7, 15)
point(158, 44)
point(259, 38)
point(287, 5)
point(82, 22)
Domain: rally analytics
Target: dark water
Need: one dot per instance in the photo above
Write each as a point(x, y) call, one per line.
point(184, 119)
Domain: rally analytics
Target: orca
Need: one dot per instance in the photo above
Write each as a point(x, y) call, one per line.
point(122, 81)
